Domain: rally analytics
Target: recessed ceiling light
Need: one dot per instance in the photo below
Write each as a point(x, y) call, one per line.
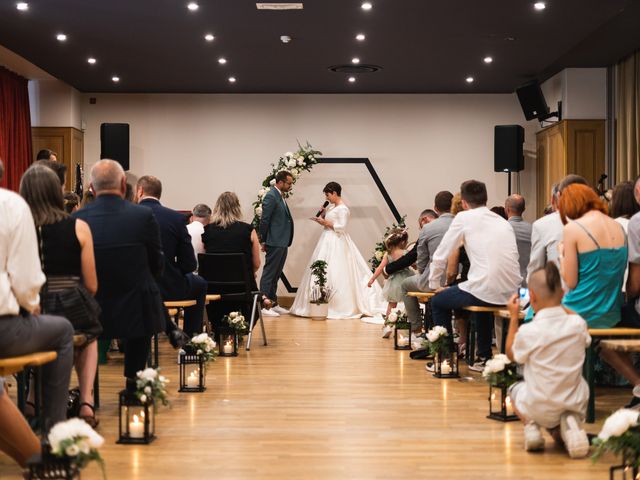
point(193, 6)
point(488, 59)
point(22, 6)
point(115, 79)
point(539, 5)
point(279, 6)
point(61, 37)
point(209, 37)
point(355, 60)
point(360, 37)
point(366, 6)
point(469, 79)
point(232, 79)
point(222, 60)
point(352, 79)
point(91, 60)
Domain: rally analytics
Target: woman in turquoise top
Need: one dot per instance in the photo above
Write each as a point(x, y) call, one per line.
point(593, 259)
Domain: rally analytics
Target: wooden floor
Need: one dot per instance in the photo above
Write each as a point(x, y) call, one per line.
point(328, 400)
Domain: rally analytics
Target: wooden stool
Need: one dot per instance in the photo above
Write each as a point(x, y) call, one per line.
point(588, 370)
point(17, 365)
point(505, 316)
point(174, 307)
point(423, 298)
point(621, 345)
point(471, 331)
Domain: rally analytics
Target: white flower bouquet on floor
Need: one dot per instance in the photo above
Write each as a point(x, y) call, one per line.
point(203, 345)
point(437, 341)
point(500, 371)
point(620, 434)
point(236, 322)
point(151, 386)
point(76, 441)
point(397, 316)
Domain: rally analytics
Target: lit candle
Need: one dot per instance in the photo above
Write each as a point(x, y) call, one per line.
point(509, 406)
point(495, 403)
point(446, 368)
point(136, 428)
point(192, 380)
point(228, 348)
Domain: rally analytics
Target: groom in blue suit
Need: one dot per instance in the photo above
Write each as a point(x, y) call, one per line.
point(276, 235)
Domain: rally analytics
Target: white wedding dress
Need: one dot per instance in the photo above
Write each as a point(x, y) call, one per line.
point(347, 274)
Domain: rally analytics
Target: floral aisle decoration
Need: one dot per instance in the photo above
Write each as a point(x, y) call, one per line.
point(399, 321)
point(445, 355)
point(302, 160)
point(501, 372)
point(71, 445)
point(379, 250)
point(620, 434)
point(198, 352)
point(232, 327)
point(137, 410)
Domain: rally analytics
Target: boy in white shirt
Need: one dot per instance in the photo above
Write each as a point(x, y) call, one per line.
point(552, 349)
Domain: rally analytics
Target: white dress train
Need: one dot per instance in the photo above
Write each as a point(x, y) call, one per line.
point(347, 274)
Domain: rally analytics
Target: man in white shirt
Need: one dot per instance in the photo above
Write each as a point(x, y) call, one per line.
point(494, 275)
point(200, 217)
point(22, 329)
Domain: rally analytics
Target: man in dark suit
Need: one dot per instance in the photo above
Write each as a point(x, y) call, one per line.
point(276, 235)
point(128, 254)
point(178, 282)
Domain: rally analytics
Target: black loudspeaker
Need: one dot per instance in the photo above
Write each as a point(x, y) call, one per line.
point(114, 142)
point(508, 155)
point(532, 101)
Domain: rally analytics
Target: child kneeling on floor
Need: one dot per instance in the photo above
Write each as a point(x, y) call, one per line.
point(551, 347)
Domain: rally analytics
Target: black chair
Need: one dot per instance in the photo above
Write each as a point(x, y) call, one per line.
point(227, 274)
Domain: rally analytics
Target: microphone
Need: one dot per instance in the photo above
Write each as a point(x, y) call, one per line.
point(324, 205)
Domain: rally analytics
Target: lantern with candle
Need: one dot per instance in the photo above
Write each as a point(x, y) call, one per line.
point(232, 327)
point(193, 362)
point(620, 435)
point(398, 320)
point(444, 351)
point(501, 373)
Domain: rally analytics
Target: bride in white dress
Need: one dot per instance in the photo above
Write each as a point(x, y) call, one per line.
point(347, 272)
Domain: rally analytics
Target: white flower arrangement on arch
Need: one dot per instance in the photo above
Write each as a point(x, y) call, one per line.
point(302, 160)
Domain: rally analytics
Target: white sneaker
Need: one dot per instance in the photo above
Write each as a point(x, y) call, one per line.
point(574, 437)
point(387, 330)
point(533, 439)
point(269, 312)
point(430, 367)
point(280, 310)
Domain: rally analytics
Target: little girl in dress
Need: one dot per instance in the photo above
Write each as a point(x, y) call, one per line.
point(396, 244)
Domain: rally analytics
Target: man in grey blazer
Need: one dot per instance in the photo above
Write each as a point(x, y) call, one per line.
point(514, 206)
point(428, 241)
point(276, 235)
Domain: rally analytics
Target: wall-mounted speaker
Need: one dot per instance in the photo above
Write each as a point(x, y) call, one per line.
point(114, 142)
point(508, 154)
point(532, 101)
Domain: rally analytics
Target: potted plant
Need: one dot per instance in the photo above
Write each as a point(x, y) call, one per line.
point(320, 293)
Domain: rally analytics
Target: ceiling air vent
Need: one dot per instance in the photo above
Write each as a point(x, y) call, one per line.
point(362, 68)
point(279, 6)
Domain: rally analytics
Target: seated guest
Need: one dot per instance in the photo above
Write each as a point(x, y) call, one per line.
point(500, 211)
point(66, 252)
point(514, 207)
point(178, 282)
point(552, 350)
point(16, 437)
point(593, 259)
point(128, 254)
point(71, 202)
point(59, 168)
point(87, 198)
point(22, 329)
point(428, 241)
point(410, 258)
point(200, 217)
point(46, 154)
point(494, 274)
point(623, 206)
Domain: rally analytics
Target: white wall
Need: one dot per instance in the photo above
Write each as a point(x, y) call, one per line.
point(583, 92)
point(201, 145)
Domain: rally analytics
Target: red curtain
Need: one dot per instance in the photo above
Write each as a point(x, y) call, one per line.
point(15, 128)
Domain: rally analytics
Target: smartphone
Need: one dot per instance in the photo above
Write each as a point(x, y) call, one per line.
point(523, 293)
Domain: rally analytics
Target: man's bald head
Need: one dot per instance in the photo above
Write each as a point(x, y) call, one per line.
point(514, 205)
point(545, 287)
point(107, 176)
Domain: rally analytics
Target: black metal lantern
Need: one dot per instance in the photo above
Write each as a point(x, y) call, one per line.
point(228, 343)
point(47, 466)
point(446, 365)
point(626, 471)
point(402, 336)
point(193, 372)
point(500, 404)
point(137, 419)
